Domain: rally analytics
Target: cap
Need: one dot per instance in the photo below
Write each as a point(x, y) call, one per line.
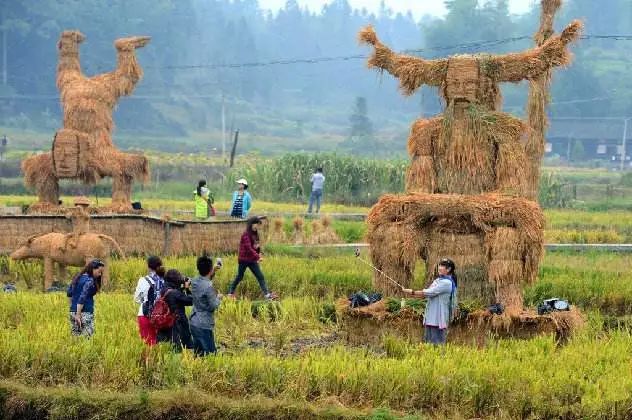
point(242, 181)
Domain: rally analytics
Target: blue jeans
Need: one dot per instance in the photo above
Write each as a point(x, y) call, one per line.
point(316, 196)
point(203, 341)
point(256, 270)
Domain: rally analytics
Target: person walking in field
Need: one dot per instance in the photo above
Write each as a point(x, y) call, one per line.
point(206, 300)
point(242, 201)
point(250, 257)
point(174, 294)
point(318, 181)
point(441, 305)
point(81, 293)
point(203, 201)
point(147, 293)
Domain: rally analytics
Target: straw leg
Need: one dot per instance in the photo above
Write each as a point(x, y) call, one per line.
point(39, 173)
point(62, 273)
point(121, 192)
point(48, 273)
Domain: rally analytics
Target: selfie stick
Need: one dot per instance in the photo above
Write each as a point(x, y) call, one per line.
point(357, 254)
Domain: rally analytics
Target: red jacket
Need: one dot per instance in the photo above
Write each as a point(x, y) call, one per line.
point(248, 248)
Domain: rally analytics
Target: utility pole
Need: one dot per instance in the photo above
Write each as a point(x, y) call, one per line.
point(623, 143)
point(4, 47)
point(223, 128)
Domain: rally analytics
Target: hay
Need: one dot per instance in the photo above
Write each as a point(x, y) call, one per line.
point(533, 63)
point(466, 213)
point(83, 149)
point(537, 103)
point(323, 233)
point(467, 229)
point(277, 233)
point(412, 72)
point(298, 233)
point(421, 176)
point(524, 324)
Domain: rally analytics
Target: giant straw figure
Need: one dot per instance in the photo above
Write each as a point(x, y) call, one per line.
point(475, 170)
point(83, 149)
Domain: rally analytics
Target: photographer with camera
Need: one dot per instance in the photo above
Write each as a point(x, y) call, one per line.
point(175, 294)
point(205, 301)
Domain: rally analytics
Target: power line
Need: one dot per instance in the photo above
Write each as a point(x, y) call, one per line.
point(314, 60)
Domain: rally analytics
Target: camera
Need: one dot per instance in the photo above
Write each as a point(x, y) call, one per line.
point(218, 262)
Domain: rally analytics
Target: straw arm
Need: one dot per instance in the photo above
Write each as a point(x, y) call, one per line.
point(533, 63)
point(412, 72)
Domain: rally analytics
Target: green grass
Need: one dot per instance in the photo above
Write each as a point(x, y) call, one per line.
point(259, 357)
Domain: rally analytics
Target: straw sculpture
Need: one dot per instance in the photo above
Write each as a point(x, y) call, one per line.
point(53, 248)
point(83, 148)
point(473, 147)
point(474, 169)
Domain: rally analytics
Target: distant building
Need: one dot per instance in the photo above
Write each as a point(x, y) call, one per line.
point(600, 138)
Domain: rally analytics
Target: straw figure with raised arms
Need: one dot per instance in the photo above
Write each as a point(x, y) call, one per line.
point(83, 148)
point(472, 183)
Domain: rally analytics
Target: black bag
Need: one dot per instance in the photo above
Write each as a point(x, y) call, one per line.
point(361, 299)
point(148, 304)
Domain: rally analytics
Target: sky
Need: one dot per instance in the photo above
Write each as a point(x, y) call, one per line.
point(418, 7)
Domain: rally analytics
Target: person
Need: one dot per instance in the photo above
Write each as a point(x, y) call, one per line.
point(206, 300)
point(250, 257)
point(317, 180)
point(147, 293)
point(81, 293)
point(242, 201)
point(174, 294)
point(442, 302)
point(203, 201)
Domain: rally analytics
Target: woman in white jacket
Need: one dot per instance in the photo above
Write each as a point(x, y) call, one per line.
point(442, 303)
point(146, 294)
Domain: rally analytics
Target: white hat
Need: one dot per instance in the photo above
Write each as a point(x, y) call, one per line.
point(242, 181)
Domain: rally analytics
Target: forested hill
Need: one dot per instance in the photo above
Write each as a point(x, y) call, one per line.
point(203, 50)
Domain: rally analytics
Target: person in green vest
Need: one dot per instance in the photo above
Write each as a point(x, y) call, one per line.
point(203, 201)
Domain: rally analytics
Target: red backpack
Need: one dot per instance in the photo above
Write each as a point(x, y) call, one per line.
point(161, 316)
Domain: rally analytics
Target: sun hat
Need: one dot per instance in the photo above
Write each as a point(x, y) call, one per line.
point(242, 181)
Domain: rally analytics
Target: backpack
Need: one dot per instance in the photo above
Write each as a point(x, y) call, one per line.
point(148, 304)
point(161, 316)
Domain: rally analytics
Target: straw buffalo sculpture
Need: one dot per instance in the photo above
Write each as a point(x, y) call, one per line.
point(473, 179)
point(83, 148)
point(57, 248)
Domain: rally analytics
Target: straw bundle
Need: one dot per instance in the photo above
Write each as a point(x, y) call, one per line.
point(38, 172)
point(537, 103)
point(323, 232)
point(83, 149)
point(496, 241)
point(465, 213)
point(412, 72)
point(298, 233)
point(277, 233)
point(535, 62)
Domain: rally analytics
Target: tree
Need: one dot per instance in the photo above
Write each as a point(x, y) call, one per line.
point(360, 124)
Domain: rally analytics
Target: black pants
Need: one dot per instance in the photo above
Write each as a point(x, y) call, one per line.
point(256, 270)
point(179, 335)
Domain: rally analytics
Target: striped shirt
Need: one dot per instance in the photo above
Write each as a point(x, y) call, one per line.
point(238, 206)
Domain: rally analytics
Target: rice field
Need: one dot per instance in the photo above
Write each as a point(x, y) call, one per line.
point(290, 360)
